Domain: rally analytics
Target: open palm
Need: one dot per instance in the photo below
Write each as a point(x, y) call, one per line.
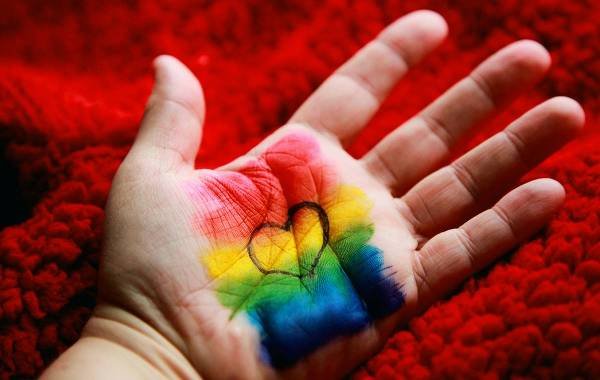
point(297, 259)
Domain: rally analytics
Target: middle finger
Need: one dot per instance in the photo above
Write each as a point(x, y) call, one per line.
point(424, 142)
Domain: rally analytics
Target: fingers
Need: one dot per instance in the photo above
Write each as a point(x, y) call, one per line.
point(454, 193)
point(448, 258)
point(424, 142)
point(170, 131)
point(347, 100)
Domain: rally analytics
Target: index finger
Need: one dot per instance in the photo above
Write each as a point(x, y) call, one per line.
point(347, 100)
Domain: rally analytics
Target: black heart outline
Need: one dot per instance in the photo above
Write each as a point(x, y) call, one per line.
point(324, 221)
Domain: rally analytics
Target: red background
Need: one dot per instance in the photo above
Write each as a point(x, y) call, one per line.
point(74, 77)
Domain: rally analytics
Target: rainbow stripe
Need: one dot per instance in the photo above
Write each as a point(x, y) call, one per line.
point(304, 273)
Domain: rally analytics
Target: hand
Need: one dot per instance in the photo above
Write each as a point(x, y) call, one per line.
point(297, 259)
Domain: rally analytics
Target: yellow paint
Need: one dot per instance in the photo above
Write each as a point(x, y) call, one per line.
point(275, 249)
point(307, 231)
point(349, 205)
point(229, 262)
point(278, 249)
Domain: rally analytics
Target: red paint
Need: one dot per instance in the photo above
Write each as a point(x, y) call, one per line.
point(233, 203)
point(73, 84)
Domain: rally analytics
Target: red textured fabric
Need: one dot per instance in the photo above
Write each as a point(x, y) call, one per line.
point(74, 77)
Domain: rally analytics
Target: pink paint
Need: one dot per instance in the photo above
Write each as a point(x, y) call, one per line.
point(233, 203)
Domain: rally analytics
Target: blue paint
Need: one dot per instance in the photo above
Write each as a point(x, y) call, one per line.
point(344, 296)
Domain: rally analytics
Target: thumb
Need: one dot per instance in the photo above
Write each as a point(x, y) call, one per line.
point(171, 129)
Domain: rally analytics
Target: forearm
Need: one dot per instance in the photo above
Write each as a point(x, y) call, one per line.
point(97, 358)
point(120, 347)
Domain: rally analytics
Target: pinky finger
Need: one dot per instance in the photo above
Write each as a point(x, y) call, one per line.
point(451, 256)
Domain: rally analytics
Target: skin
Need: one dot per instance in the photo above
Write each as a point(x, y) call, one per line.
point(161, 311)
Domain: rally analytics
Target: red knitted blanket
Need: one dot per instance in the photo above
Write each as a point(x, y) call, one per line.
point(74, 77)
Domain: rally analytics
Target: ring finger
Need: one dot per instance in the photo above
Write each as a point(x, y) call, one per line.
point(456, 192)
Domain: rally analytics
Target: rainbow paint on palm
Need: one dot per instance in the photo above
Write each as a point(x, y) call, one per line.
point(290, 250)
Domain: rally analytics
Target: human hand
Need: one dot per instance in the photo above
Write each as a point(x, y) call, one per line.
point(297, 259)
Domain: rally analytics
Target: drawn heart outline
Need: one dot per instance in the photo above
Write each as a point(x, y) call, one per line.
point(324, 221)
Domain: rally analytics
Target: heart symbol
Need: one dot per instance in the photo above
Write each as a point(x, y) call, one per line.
point(286, 229)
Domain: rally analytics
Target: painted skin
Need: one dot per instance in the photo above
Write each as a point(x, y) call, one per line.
point(158, 313)
point(291, 252)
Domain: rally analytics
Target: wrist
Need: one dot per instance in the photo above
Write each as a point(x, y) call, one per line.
point(117, 344)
